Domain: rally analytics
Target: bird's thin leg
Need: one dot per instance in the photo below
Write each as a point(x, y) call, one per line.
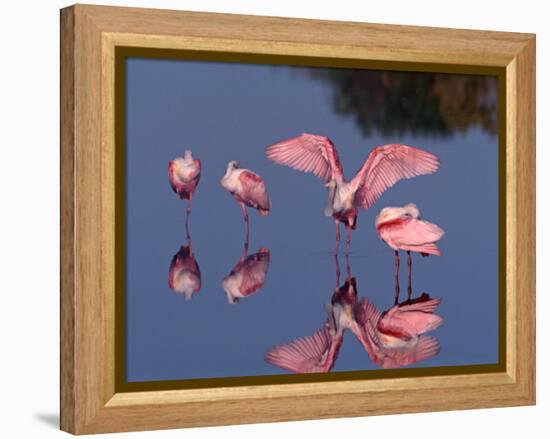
point(348, 267)
point(348, 239)
point(337, 237)
point(187, 214)
point(337, 269)
point(409, 290)
point(396, 277)
point(245, 251)
point(245, 215)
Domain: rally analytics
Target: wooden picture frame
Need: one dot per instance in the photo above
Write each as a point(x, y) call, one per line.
point(91, 402)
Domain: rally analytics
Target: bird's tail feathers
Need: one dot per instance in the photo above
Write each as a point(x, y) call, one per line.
point(424, 249)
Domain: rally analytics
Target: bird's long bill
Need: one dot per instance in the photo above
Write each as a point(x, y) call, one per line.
point(331, 193)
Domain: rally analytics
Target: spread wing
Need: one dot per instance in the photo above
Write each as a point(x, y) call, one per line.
point(308, 153)
point(423, 303)
point(366, 318)
point(364, 311)
point(426, 348)
point(385, 166)
point(313, 353)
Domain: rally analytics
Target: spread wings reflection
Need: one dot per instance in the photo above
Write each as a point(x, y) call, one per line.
point(392, 338)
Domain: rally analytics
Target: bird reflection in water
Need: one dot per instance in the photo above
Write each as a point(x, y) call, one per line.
point(185, 274)
point(391, 338)
point(319, 352)
point(396, 337)
point(248, 275)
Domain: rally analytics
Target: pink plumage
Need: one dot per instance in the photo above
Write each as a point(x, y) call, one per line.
point(402, 229)
point(308, 153)
point(318, 352)
point(392, 338)
point(248, 276)
point(425, 348)
point(184, 174)
point(395, 338)
point(253, 192)
point(248, 189)
point(410, 320)
point(384, 167)
point(184, 273)
point(314, 353)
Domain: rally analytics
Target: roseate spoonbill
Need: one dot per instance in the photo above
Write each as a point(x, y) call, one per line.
point(384, 167)
point(185, 274)
point(248, 188)
point(396, 337)
point(248, 276)
point(184, 174)
point(402, 229)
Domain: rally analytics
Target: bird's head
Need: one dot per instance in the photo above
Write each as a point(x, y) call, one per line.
point(331, 184)
point(232, 164)
point(392, 213)
point(388, 214)
point(412, 210)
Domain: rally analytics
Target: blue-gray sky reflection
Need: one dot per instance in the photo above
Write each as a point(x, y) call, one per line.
point(225, 112)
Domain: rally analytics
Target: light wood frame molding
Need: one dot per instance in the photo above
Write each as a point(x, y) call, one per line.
point(89, 36)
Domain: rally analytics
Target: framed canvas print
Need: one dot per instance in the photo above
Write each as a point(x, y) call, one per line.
point(269, 219)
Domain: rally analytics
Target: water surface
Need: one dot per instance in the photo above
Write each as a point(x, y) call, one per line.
point(225, 111)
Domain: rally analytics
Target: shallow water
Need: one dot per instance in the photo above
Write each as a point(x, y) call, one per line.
point(231, 112)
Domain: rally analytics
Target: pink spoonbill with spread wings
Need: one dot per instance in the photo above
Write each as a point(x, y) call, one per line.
point(248, 189)
point(384, 167)
point(402, 229)
point(184, 174)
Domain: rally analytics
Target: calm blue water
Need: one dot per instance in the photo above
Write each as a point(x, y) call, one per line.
point(228, 112)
